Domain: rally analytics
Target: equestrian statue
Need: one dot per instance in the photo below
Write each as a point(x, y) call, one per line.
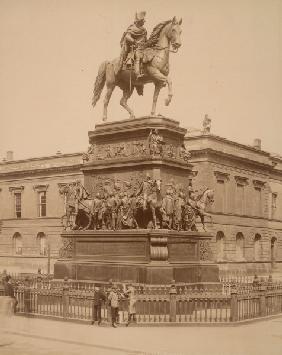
point(141, 61)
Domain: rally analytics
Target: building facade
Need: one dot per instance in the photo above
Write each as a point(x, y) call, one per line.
point(247, 212)
point(246, 215)
point(31, 208)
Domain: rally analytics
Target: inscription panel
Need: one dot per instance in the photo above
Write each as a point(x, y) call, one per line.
point(111, 249)
point(182, 251)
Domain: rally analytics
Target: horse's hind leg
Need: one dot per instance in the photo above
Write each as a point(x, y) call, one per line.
point(123, 102)
point(110, 89)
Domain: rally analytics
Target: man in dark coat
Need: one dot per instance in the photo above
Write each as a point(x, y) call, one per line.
point(98, 299)
point(9, 291)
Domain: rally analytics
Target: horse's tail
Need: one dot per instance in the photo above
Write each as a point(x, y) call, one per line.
point(99, 83)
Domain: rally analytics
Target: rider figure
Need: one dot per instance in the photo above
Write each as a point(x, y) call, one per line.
point(134, 37)
point(146, 189)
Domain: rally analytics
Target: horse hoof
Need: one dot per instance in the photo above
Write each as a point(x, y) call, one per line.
point(104, 119)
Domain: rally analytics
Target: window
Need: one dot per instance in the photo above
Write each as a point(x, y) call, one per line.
point(240, 244)
point(220, 191)
point(18, 244)
point(273, 204)
point(41, 191)
point(240, 199)
point(42, 243)
point(257, 247)
point(220, 246)
point(42, 204)
point(18, 204)
point(257, 202)
point(273, 249)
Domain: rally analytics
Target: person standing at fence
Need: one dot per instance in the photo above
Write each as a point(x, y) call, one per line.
point(98, 299)
point(130, 292)
point(114, 299)
point(9, 291)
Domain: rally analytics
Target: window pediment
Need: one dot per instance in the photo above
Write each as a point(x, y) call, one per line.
point(241, 180)
point(258, 184)
point(40, 188)
point(16, 189)
point(221, 176)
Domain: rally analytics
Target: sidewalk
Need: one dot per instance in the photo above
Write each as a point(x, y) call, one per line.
point(253, 339)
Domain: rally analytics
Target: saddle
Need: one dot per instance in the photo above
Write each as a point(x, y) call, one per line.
point(146, 57)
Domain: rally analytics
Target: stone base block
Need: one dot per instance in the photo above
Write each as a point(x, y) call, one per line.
point(152, 273)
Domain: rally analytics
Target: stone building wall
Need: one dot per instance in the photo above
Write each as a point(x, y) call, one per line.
point(21, 246)
point(247, 212)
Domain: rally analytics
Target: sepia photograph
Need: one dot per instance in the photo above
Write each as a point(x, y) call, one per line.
point(140, 177)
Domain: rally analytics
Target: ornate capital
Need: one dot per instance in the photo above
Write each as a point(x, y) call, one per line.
point(221, 176)
point(241, 180)
point(16, 189)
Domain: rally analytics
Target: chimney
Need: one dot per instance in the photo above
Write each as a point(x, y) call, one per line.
point(10, 155)
point(257, 143)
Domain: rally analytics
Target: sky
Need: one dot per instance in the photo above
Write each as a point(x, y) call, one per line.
point(229, 67)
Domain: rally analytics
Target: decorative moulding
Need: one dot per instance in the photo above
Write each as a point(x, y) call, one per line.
point(221, 176)
point(40, 188)
point(258, 184)
point(241, 180)
point(16, 189)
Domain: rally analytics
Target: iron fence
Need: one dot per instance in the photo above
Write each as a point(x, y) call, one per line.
point(155, 304)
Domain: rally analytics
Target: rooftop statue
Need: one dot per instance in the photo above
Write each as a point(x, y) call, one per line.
point(141, 62)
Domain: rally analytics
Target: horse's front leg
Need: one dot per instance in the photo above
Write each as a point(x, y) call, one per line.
point(155, 98)
point(169, 97)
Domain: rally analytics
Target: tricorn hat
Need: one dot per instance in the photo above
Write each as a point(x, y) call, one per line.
point(140, 15)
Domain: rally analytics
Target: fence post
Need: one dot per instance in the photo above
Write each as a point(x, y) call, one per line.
point(262, 300)
point(234, 304)
point(172, 303)
point(65, 298)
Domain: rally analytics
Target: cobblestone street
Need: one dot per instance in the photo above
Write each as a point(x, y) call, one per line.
point(39, 336)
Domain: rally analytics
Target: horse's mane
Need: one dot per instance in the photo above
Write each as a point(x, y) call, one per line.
point(201, 194)
point(154, 37)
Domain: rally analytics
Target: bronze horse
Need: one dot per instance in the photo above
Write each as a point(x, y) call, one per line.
point(155, 65)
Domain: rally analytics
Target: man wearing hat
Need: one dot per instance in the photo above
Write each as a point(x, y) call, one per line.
point(134, 37)
point(98, 298)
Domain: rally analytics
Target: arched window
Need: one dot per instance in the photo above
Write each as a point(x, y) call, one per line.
point(42, 243)
point(17, 244)
point(240, 244)
point(219, 246)
point(273, 244)
point(257, 247)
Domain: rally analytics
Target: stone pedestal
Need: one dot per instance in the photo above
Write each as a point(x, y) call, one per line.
point(120, 157)
point(145, 256)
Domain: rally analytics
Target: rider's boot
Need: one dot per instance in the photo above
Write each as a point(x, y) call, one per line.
point(137, 69)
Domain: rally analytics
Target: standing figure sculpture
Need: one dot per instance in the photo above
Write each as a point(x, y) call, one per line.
point(156, 143)
point(155, 57)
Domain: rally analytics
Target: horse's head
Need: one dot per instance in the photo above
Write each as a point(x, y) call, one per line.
point(174, 33)
point(210, 196)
